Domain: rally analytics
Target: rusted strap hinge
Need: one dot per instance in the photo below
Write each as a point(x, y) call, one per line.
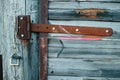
point(25, 28)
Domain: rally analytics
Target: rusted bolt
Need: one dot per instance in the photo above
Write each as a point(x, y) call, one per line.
point(107, 31)
point(77, 30)
point(22, 35)
point(21, 18)
point(53, 28)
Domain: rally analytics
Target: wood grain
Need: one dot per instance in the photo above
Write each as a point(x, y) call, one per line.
point(1, 68)
point(84, 60)
point(10, 44)
point(101, 0)
point(79, 78)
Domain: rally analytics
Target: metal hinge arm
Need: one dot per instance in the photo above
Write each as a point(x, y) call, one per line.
point(25, 28)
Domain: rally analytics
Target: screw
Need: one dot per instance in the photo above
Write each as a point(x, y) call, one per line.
point(53, 28)
point(107, 31)
point(21, 18)
point(22, 35)
point(77, 30)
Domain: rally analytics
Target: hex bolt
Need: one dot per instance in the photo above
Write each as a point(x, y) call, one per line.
point(21, 18)
point(22, 35)
point(107, 31)
point(53, 28)
point(77, 30)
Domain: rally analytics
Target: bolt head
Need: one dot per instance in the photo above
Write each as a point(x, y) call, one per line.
point(107, 31)
point(22, 35)
point(53, 28)
point(21, 18)
point(77, 30)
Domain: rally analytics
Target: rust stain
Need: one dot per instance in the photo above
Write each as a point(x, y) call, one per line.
point(1, 68)
point(25, 43)
point(92, 16)
point(92, 12)
point(89, 36)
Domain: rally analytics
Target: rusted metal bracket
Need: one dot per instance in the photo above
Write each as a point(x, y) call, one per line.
point(25, 28)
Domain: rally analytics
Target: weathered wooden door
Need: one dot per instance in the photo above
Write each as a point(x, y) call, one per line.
point(67, 59)
point(70, 57)
point(84, 60)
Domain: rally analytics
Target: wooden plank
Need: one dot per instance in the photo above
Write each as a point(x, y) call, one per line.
point(53, 52)
point(9, 42)
point(43, 41)
point(79, 78)
point(1, 23)
point(81, 5)
point(32, 58)
point(89, 53)
point(108, 15)
point(86, 0)
point(101, 0)
point(76, 67)
point(93, 44)
point(99, 59)
point(1, 68)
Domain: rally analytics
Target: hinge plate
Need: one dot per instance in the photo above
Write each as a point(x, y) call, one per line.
point(25, 28)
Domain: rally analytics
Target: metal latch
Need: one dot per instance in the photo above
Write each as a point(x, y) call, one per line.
point(25, 28)
point(14, 60)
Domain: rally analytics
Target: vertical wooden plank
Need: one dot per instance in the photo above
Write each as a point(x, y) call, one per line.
point(1, 25)
point(32, 66)
point(9, 42)
point(1, 71)
point(43, 40)
point(1, 20)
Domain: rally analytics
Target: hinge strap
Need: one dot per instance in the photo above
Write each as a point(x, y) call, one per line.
point(25, 28)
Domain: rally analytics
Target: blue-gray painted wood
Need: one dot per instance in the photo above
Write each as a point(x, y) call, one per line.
point(1, 23)
point(79, 78)
point(68, 60)
point(108, 15)
point(10, 44)
point(80, 67)
point(67, 10)
point(84, 60)
point(32, 9)
point(83, 5)
point(86, 0)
